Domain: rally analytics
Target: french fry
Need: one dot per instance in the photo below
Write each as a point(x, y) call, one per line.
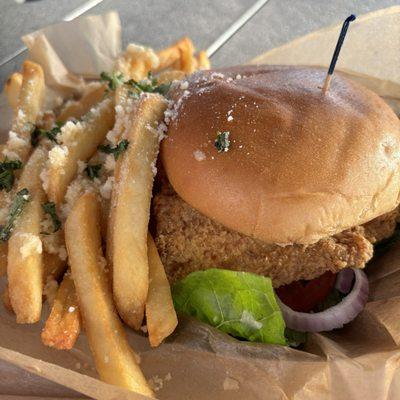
point(76, 109)
point(168, 56)
point(63, 324)
point(79, 142)
point(169, 76)
point(136, 62)
point(122, 124)
point(12, 89)
point(160, 313)
point(30, 102)
point(121, 98)
point(114, 359)
point(203, 60)
point(53, 268)
point(25, 261)
point(188, 63)
point(133, 186)
point(171, 56)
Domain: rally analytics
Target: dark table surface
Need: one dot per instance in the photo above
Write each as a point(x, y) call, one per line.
point(158, 23)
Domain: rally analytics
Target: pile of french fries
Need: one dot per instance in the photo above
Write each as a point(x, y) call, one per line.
point(76, 187)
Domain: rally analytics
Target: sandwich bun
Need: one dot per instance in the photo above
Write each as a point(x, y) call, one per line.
point(301, 164)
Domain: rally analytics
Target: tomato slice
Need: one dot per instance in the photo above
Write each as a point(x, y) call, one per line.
point(303, 296)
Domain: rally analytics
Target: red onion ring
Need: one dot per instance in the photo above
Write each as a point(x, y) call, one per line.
point(334, 317)
point(344, 280)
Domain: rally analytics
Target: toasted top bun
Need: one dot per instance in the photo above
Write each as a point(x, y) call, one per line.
point(301, 164)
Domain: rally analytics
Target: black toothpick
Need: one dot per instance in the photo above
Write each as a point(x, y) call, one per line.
point(335, 56)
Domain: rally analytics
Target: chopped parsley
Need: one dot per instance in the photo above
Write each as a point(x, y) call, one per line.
point(134, 94)
point(149, 85)
point(222, 141)
point(116, 150)
point(21, 199)
point(7, 178)
point(50, 209)
point(51, 134)
point(93, 171)
point(113, 79)
point(36, 134)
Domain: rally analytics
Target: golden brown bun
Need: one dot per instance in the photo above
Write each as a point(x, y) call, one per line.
point(301, 165)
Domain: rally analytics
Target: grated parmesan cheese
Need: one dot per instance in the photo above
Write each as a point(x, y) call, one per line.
point(172, 111)
point(106, 189)
point(32, 245)
point(44, 176)
point(15, 142)
point(162, 130)
point(77, 188)
point(95, 112)
point(53, 244)
point(58, 156)
point(153, 167)
point(69, 133)
point(21, 114)
point(122, 121)
point(109, 163)
point(11, 154)
point(81, 166)
point(216, 75)
point(151, 57)
point(199, 155)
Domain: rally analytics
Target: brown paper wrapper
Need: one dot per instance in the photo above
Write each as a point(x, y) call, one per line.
point(361, 361)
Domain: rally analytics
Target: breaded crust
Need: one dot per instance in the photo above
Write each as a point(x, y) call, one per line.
point(189, 241)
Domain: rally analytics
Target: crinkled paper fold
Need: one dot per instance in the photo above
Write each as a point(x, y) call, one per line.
point(361, 361)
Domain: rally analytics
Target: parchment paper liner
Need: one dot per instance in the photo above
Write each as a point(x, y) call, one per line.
point(360, 361)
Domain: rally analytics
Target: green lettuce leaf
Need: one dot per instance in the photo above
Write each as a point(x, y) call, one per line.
point(238, 303)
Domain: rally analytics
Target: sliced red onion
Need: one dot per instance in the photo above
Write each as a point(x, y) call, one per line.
point(344, 280)
point(334, 317)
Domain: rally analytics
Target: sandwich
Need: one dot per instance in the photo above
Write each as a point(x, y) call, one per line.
point(264, 173)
